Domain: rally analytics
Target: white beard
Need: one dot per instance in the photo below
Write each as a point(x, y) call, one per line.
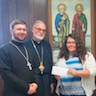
point(39, 38)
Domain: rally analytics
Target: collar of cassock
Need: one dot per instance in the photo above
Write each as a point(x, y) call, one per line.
point(17, 42)
point(36, 42)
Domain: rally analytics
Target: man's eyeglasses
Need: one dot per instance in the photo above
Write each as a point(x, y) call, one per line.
point(39, 29)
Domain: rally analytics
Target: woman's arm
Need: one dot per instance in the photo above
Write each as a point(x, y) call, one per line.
point(80, 73)
point(89, 67)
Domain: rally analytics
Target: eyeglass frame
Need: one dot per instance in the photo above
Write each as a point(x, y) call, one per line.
point(40, 29)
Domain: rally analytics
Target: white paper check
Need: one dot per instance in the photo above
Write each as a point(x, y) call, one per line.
point(60, 71)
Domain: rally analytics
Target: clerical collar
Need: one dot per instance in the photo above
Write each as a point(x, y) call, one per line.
point(17, 43)
point(38, 42)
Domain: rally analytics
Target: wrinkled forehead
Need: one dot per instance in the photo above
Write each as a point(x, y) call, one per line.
point(40, 24)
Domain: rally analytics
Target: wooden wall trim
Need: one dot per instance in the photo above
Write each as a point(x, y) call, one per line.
point(50, 23)
point(92, 28)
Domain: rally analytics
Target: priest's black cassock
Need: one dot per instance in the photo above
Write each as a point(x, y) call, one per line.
point(14, 70)
point(44, 80)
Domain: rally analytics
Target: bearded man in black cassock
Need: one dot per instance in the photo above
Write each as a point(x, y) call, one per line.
point(42, 59)
point(15, 64)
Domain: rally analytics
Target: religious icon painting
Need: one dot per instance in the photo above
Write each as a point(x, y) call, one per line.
point(67, 16)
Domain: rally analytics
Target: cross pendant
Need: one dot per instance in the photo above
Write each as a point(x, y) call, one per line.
point(29, 65)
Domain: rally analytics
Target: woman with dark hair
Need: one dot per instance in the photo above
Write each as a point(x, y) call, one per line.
point(81, 65)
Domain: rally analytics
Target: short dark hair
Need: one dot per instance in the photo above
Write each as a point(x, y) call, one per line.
point(15, 22)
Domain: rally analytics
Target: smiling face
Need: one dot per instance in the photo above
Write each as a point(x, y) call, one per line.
point(19, 32)
point(71, 45)
point(39, 31)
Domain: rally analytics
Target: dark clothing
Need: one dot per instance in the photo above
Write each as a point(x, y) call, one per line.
point(1, 86)
point(72, 95)
point(14, 70)
point(44, 80)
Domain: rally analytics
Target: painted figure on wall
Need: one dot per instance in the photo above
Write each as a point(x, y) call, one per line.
point(62, 23)
point(79, 24)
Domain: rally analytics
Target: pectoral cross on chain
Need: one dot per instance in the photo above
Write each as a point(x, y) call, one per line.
point(29, 65)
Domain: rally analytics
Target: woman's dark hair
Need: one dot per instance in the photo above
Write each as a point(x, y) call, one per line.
point(80, 48)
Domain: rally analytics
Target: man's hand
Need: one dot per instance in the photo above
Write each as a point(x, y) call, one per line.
point(52, 87)
point(32, 88)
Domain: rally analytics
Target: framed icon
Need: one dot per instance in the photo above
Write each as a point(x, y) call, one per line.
point(67, 16)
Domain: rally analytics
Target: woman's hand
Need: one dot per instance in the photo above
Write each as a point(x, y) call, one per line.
point(72, 72)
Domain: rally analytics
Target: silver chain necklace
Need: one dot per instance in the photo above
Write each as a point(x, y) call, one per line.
point(25, 57)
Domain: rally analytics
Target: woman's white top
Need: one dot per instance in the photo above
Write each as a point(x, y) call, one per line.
point(87, 83)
